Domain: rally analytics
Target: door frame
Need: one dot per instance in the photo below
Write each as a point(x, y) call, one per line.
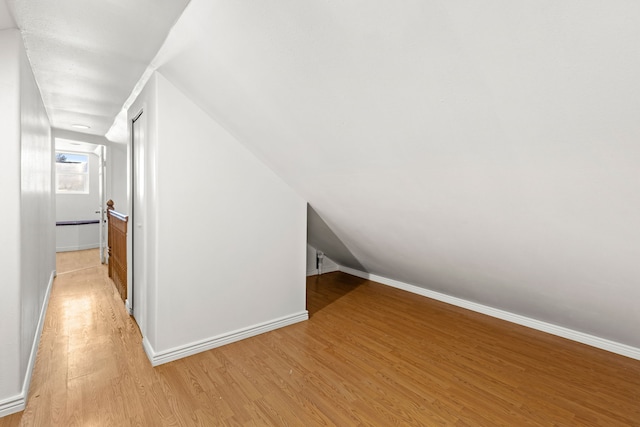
point(102, 176)
point(135, 294)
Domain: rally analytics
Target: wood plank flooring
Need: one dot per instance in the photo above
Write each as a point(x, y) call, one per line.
point(369, 355)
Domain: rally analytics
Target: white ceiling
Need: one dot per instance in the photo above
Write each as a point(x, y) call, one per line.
point(487, 150)
point(88, 55)
point(6, 21)
point(67, 145)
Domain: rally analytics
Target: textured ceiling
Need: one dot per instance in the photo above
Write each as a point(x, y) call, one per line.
point(486, 150)
point(88, 55)
point(6, 21)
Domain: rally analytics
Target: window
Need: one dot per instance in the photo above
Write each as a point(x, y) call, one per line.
point(72, 173)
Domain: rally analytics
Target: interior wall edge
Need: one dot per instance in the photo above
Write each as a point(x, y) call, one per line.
point(223, 339)
point(550, 328)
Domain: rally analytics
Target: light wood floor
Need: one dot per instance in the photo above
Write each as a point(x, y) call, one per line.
point(369, 355)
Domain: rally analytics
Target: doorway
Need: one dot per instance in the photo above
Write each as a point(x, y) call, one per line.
point(80, 180)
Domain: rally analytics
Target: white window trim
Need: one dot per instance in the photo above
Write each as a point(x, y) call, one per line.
point(87, 174)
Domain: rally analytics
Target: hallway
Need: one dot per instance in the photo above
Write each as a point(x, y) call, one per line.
point(369, 354)
point(90, 360)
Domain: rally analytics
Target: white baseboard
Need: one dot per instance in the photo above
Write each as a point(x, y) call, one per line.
point(12, 405)
point(158, 358)
point(19, 402)
point(561, 331)
point(77, 247)
point(327, 269)
point(36, 339)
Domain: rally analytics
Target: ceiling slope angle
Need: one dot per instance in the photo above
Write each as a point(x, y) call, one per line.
point(487, 151)
point(87, 56)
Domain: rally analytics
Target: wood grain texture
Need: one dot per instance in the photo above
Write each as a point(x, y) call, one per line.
point(117, 249)
point(77, 260)
point(369, 355)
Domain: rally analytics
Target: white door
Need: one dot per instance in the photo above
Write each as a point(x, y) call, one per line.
point(137, 221)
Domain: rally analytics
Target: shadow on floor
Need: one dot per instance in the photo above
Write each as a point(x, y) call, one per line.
point(328, 288)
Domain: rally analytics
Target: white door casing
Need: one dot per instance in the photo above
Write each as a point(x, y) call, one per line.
point(138, 220)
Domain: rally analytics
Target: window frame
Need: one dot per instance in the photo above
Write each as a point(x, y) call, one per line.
point(86, 174)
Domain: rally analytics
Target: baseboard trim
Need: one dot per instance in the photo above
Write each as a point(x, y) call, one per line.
point(12, 405)
point(19, 402)
point(561, 331)
point(158, 358)
point(36, 339)
point(329, 269)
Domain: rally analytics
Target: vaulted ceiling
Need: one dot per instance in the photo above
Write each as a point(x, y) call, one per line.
point(485, 150)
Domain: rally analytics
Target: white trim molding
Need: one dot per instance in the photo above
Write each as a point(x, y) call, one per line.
point(561, 331)
point(158, 358)
point(12, 405)
point(328, 269)
point(18, 402)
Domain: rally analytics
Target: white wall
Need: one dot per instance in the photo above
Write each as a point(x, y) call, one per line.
point(229, 234)
point(80, 207)
point(117, 166)
point(10, 303)
point(37, 216)
point(28, 251)
point(328, 265)
point(77, 237)
point(485, 150)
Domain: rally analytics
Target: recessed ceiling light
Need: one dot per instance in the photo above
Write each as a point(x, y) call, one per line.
point(79, 126)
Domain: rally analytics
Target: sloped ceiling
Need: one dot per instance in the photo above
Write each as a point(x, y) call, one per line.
point(87, 55)
point(6, 20)
point(486, 150)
